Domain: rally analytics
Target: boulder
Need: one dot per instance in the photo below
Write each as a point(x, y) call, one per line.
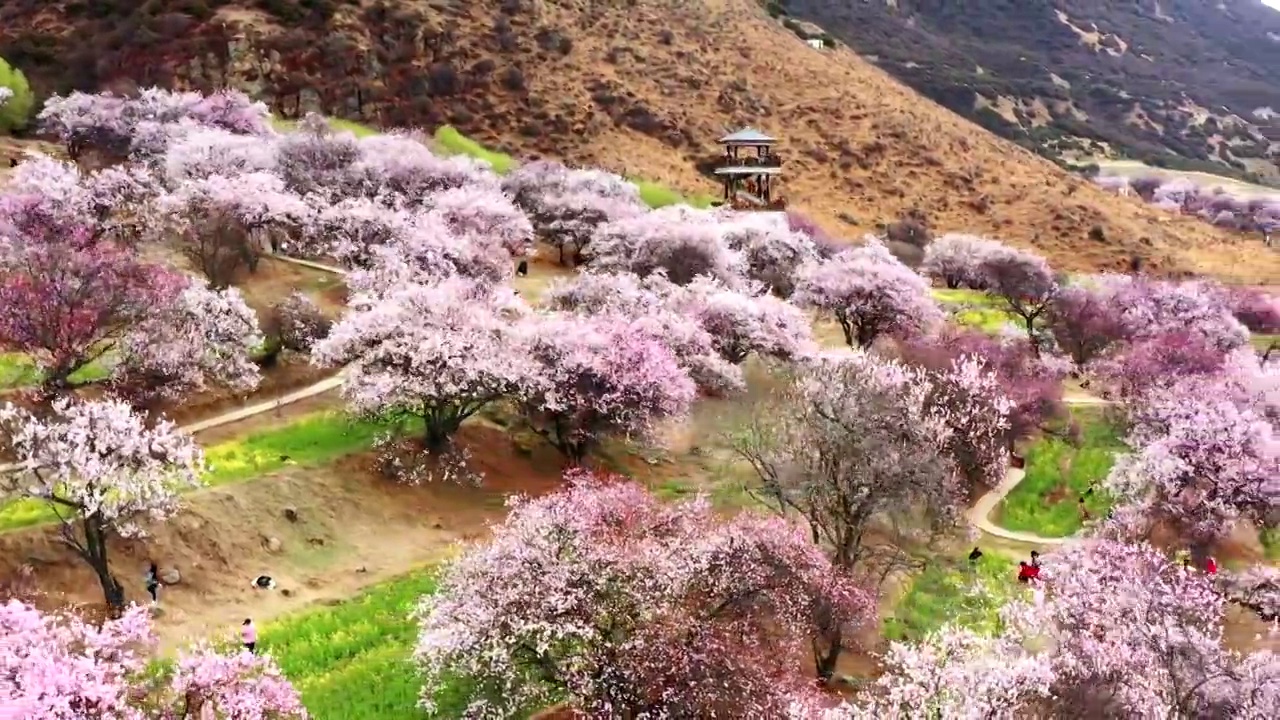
point(170, 576)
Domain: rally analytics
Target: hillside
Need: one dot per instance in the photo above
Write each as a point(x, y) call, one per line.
point(642, 87)
point(1188, 84)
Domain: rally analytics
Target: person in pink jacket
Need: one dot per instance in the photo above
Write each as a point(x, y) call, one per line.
point(249, 635)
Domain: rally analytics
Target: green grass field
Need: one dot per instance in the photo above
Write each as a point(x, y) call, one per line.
point(310, 441)
point(953, 591)
point(1271, 543)
point(17, 371)
point(451, 141)
point(975, 309)
point(1046, 502)
point(354, 660)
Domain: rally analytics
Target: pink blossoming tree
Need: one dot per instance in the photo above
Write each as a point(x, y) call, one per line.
point(741, 324)
point(681, 242)
point(120, 126)
point(209, 151)
point(46, 197)
point(222, 223)
point(484, 214)
point(871, 293)
point(649, 308)
point(596, 378)
point(1153, 364)
point(847, 442)
point(314, 160)
point(567, 205)
point(955, 260)
point(628, 606)
point(772, 250)
point(1152, 308)
point(203, 338)
point(102, 471)
point(1024, 282)
point(58, 666)
point(1033, 387)
point(439, 353)
point(1119, 630)
point(1086, 321)
point(1202, 461)
point(399, 166)
point(68, 302)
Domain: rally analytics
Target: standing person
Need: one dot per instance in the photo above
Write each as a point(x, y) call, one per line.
point(1035, 559)
point(249, 635)
point(153, 583)
point(1211, 566)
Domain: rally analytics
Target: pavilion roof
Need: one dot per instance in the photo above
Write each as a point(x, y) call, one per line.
point(746, 136)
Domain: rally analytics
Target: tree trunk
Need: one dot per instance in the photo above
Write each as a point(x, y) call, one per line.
point(95, 552)
point(847, 328)
point(825, 659)
point(438, 431)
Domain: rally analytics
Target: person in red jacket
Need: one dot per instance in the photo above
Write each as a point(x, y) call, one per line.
point(1026, 572)
point(1211, 566)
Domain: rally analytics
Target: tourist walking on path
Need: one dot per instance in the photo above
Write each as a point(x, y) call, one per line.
point(249, 635)
point(153, 583)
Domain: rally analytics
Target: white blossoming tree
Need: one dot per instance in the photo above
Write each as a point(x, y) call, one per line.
point(102, 471)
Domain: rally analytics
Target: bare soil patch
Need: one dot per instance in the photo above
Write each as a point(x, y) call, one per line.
point(354, 528)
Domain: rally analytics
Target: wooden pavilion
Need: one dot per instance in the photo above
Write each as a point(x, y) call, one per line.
point(749, 177)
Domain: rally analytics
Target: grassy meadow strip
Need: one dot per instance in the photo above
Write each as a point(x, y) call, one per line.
point(449, 140)
point(353, 661)
point(974, 309)
point(18, 371)
point(1059, 473)
point(955, 592)
point(310, 441)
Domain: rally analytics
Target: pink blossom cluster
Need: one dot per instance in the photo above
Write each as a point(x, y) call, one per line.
point(629, 606)
point(1117, 630)
point(146, 123)
point(1212, 204)
point(871, 293)
point(44, 196)
point(1032, 385)
point(438, 352)
point(103, 469)
point(1135, 335)
point(955, 259)
point(60, 667)
point(680, 241)
point(710, 328)
point(1206, 453)
point(596, 378)
point(204, 338)
point(567, 205)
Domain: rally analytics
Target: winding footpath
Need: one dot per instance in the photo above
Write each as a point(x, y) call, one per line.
point(980, 514)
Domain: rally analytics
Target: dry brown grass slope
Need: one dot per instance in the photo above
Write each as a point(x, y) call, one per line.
point(858, 143)
point(645, 87)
